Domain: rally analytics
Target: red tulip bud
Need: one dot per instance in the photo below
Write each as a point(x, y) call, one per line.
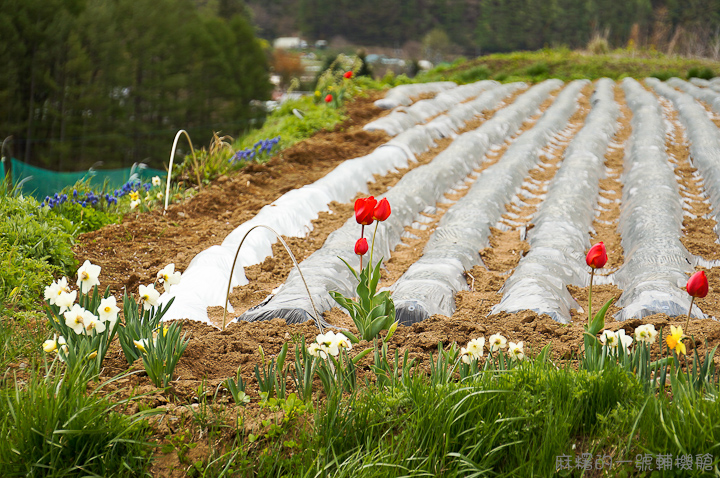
point(697, 285)
point(361, 246)
point(364, 209)
point(348, 74)
point(328, 98)
point(382, 211)
point(597, 256)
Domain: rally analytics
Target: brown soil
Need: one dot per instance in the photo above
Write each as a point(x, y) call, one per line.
point(132, 252)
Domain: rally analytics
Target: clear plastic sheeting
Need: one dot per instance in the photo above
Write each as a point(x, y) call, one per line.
point(429, 286)
point(402, 118)
point(447, 125)
point(650, 224)
point(563, 221)
point(417, 191)
point(403, 94)
point(700, 82)
point(709, 96)
point(704, 139)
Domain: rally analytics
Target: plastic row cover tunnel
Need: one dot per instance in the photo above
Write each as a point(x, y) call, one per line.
point(204, 283)
point(704, 139)
point(429, 286)
point(709, 96)
point(562, 223)
point(403, 94)
point(420, 138)
point(402, 118)
point(417, 190)
point(650, 225)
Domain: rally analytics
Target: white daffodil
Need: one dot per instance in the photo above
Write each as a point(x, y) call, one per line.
point(497, 342)
point(609, 338)
point(624, 340)
point(465, 356)
point(88, 276)
point(159, 196)
point(475, 347)
point(108, 310)
point(135, 203)
point(50, 345)
point(65, 300)
point(62, 345)
point(53, 291)
point(74, 318)
point(646, 334)
point(156, 181)
point(149, 296)
point(92, 324)
point(516, 350)
point(328, 343)
point(141, 344)
point(168, 276)
point(316, 351)
point(343, 342)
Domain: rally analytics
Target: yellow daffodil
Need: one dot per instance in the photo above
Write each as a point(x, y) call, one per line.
point(674, 340)
point(134, 195)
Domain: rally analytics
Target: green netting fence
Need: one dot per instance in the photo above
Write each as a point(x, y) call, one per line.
point(39, 182)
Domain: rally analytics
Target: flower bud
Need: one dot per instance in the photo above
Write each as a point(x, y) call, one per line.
point(348, 74)
point(697, 285)
point(361, 246)
point(597, 256)
point(328, 98)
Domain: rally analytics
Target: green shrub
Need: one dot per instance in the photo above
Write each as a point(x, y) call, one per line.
point(22, 279)
point(37, 233)
point(87, 219)
point(664, 75)
point(538, 70)
point(476, 73)
point(703, 73)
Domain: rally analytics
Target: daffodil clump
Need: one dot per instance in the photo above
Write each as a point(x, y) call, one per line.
point(496, 345)
point(146, 196)
point(85, 329)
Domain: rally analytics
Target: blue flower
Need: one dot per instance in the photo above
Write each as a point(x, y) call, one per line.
point(83, 204)
point(74, 193)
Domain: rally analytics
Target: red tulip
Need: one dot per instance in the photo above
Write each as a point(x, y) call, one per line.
point(597, 256)
point(382, 211)
point(328, 98)
point(348, 74)
point(361, 246)
point(364, 210)
point(697, 285)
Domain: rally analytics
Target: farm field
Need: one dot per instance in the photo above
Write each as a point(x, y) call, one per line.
point(189, 228)
point(492, 217)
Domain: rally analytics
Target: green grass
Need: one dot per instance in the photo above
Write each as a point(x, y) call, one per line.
point(52, 427)
point(570, 65)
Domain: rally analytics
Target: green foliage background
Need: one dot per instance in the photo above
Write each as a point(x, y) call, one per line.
point(91, 80)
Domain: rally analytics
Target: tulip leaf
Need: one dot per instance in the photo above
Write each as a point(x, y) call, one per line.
point(354, 273)
point(362, 354)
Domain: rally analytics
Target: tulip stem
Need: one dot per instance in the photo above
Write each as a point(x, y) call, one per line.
point(362, 234)
point(687, 323)
point(372, 247)
point(592, 273)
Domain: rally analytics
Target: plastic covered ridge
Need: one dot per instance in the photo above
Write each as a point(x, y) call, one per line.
point(403, 94)
point(657, 264)
point(563, 221)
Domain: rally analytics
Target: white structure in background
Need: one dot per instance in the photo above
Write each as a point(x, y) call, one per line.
point(289, 43)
